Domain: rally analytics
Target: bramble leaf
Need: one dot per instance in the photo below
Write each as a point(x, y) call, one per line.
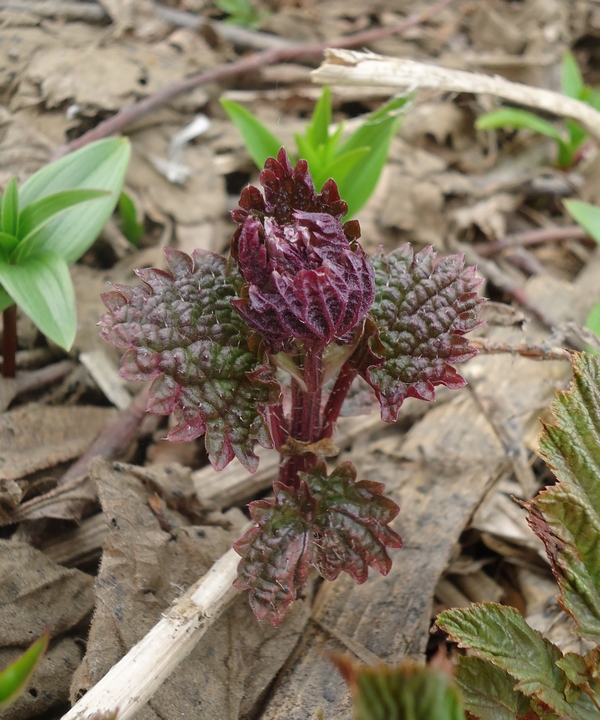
point(329, 523)
point(502, 637)
point(407, 691)
point(421, 313)
point(488, 691)
point(567, 516)
point(181, 331)
point(350, 526)
point(276, 553)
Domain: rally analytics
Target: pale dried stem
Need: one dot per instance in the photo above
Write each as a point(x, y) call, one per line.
point(349, 67)
point(136, 677)
point(528, 350)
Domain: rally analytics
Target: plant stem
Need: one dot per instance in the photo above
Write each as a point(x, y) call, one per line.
point(9, 342)
point(311, 402)
point(336, 398)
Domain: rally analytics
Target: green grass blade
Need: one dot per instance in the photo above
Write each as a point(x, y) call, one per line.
point(130, 225)
point(571, 82)
point(41, 286)
point(317, 133)
point(39, 212)
point(10, 208)
point(515, 118)
point(14, 678)
point(588, 216)
point(259, 140)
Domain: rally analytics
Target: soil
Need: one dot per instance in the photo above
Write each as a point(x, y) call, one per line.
point(104, 524)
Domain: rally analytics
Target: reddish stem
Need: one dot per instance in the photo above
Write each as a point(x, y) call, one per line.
point(9, 342)
point(336, 399)
point(311, 402)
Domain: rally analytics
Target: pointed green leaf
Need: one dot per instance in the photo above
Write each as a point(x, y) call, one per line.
point(132, 228)
point(342, 165)
point(98, 166)
point(488, 691)
point(8, 243)
point(39, 212)
point(10, 208)
point(593, 324)
point(317, 133)
point(515, 118)
point(14, 678)
point(571, 82)
point(260, 142)
point(588, 216)
point(42, 288)
point(5, 299)
point(313, 158)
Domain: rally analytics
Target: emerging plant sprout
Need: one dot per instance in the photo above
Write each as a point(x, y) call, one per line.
point(240, 351)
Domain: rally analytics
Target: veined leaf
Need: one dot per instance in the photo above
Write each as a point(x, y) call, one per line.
point(42, 287)
point(488, 691)
point(571, 82)
point(98, 166)
point(516, 118)
point(39, 212)
point(588, 216)
point(14, 678)
point(10, 208)
point(317, 133)
point(259, 140)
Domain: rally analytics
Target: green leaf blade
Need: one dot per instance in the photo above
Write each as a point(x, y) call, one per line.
point(99, 166)
point(10, 208)
point(132, 228)
point(14, 678)
point(39, 212)
point(588, 216)
point(42, 288)
point(516, 118)
point(571, 81)
point(259, 140)
point(317, 133)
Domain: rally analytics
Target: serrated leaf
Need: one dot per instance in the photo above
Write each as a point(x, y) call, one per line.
point(403, 692)
point(317, 132)
point(571, 81)
point(351, 523)
point(98, 166)
point(515, 118)
point(588, 216)
point(488, 691)
point(502, 637)
point(276, 553)
point(14, 678)
point(10, 208)
point(259, 140)
point(181, 331)
point(35, 215)
point(376, 133)
point(567, 515)
point(41, 286)
point(421, 314)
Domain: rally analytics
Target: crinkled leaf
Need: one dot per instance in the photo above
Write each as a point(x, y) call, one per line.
point(488, 691)
point(421, 314)
point(276, 552)
point(14, 678)
point(567, 516)
point(10, 208)
point(259, 140)
point(98, 166)
point(501, 636)
point(41, 286)
point(181, 331)
point(403, 692)
point(351, 523)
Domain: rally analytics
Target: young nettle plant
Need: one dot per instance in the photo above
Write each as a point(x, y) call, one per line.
point(45, 226)
point(297, 299)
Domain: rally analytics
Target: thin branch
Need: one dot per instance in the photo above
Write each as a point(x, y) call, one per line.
point(528, 350)
point(349, 67)
point(134, 112)
point(531, 237)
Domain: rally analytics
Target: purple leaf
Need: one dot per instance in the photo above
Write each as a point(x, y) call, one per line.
point(306, 276)
point(421, 313)
point(276, 552)
point(181, 332)
point(350, 528)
